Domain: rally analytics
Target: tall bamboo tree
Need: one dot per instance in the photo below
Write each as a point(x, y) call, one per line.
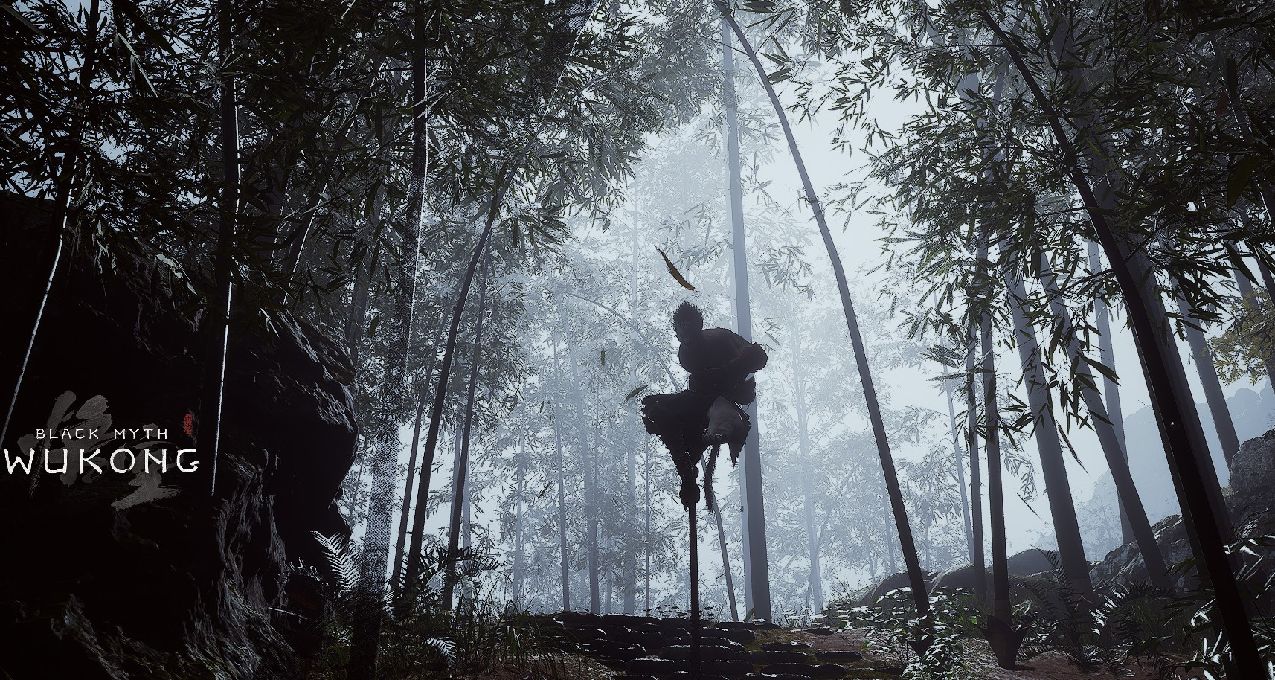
point(907, 545)
point(756, 561)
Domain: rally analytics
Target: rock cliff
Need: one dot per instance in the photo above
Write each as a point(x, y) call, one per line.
point(138, 575)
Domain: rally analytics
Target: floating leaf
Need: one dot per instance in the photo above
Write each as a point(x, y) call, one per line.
point(677, 276)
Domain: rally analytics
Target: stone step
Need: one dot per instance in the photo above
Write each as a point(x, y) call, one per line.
point(806, 670)
point(650, 665)
point(726, 669)
point(741, 635)
point(586, 634)
point(706, 653)
point(653, 640)
point(623, 619)
point(674, 622)
point(793, 646)
point(615, 652)
point(839, 655)
point(769, 656)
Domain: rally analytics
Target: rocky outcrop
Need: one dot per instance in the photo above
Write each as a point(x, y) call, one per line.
point(1252, 476)
point(1021, 564)
point(1250, 499)
point(140, 575)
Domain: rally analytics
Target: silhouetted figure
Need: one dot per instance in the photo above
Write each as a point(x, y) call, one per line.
point(708, 412)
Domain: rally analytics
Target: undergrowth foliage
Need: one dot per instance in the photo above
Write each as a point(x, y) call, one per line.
point(894, 629)
point(1106, 632)
point(420, 638)
point(1253, 555)
point(1128, 621)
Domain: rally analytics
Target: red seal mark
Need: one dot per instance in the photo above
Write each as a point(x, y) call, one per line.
point(188, 424)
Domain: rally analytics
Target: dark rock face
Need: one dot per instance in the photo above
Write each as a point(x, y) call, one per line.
point(102, 581)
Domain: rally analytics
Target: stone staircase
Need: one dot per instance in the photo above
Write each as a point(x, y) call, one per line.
point(648, 648)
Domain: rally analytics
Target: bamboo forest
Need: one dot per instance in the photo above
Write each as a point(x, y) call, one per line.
point(637, 339)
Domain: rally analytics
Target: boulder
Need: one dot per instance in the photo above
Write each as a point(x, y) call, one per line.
point(1030, 561)
point(1025, 563)
point(1252, 475)
point(885, 585)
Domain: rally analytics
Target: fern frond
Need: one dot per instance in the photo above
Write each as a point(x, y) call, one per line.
point(340, 560)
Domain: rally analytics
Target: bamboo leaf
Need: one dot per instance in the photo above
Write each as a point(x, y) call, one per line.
point(17, 16)
point(1239, 178)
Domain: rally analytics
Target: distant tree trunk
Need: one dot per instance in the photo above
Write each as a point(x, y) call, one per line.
point(1267, 277)
point(815, 579)
point(1131, 509)
point(504, 176)
point(520, 491)
point(915, 577)
point(462, 462)
point(756, 562)
point(216, 330)
point(1111, 390)
point(70, 168)
point(461, 466)
point(467, 524)
point(1250, 297)
point(978, 559)
point(591, 506)
point(1000, 631)
point(562, 495)
point(629, 584)
point(1206, 517)
point(366, 628)
point(607, 579)
point(958, 464)
point(422, 390)
point(629, 524)
point(646, 542)
point(1212, 384)
point(726, 570)
point(364, 273)
point(1053, 465)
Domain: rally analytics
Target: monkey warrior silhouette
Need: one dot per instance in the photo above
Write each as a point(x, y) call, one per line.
point(709, 412)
